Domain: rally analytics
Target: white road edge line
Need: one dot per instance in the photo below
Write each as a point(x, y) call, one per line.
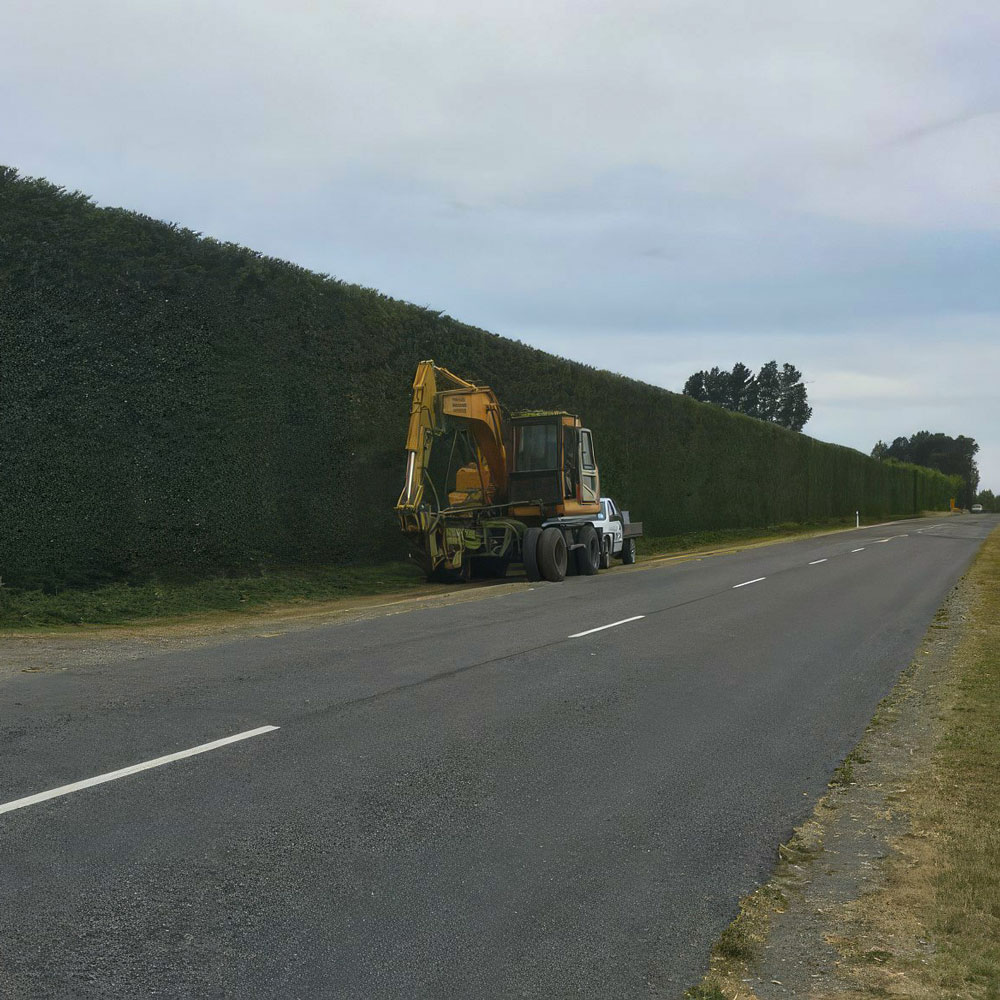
point(862, 549)
point(746, 583)
point(816, 562)
point(601, 628)
point(100, 779)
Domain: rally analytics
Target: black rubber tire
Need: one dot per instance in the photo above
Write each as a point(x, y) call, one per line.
point(588, 558)
point(529, 553)
point(489, 567)
point(606, 552)
point(442, 575)
point(553, 555)
point(628, 551)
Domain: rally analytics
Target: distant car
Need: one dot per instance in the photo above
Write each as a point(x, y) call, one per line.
point(977, 508)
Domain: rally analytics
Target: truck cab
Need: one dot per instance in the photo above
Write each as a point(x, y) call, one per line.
point(617, 533)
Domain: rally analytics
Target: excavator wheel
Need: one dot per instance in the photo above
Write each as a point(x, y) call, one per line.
point(588, 558)
point(552, 555)
point(529, 553)
point(490, 567)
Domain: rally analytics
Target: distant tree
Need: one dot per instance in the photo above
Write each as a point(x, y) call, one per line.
point(952, 456)
point(793, 410)
point(695, 387)
point(742, 389)
point(768, 394)
point(717, 387)
point(880, 451)
point(772, 395)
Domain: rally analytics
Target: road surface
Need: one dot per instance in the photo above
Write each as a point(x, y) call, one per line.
point(554, 791)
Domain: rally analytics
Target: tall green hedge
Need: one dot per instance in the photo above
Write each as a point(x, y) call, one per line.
point(174, 406)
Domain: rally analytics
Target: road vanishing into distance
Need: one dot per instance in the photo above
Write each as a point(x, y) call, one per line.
point(558, 790)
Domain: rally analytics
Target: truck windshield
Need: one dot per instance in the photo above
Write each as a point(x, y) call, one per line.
point(537, 448)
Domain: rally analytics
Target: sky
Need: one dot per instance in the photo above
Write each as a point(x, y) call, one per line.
point(649, 187)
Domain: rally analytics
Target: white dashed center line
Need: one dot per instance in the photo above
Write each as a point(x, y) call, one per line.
point(862, 549)
point(746, 583)
point(100, 779)
point(816, 562)
point(601, 628)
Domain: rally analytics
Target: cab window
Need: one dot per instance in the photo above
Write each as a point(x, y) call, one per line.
point(537, 448)
point(587, 449)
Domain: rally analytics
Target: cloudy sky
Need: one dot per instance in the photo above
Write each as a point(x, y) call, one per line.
point(651, 187)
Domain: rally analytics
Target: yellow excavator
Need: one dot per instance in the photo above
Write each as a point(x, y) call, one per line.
point(484, 490)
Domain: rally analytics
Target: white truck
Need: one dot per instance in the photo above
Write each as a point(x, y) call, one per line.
point(616, 535)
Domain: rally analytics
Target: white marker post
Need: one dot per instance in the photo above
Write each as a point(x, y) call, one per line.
point(857, 519)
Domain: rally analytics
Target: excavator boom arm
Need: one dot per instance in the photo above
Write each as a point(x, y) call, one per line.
point(439, 399)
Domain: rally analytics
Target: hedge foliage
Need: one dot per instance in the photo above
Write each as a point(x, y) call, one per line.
point(173, 406)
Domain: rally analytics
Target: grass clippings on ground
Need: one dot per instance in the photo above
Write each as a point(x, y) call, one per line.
point(124, 603)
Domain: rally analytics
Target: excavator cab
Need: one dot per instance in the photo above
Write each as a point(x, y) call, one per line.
point(553, 468)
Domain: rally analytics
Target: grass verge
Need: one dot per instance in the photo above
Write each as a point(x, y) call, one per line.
point(936, 922)
point(123, 603)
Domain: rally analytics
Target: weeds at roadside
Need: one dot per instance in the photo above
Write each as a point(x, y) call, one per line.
point(705, 991)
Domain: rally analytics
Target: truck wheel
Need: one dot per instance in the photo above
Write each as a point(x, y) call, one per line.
point(588, 558)
point(552, 555)
point(628, 551)
point(606, 553)
point(529, 554)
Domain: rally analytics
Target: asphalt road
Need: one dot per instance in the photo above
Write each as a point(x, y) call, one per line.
point(459, 801)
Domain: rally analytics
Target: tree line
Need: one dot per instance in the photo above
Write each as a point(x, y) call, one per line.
point(954, 456)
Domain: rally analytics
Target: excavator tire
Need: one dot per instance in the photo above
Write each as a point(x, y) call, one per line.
point(442, 575)
point(588, 558)
point(529, 554)
point(552, 555)
point(489, 567)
